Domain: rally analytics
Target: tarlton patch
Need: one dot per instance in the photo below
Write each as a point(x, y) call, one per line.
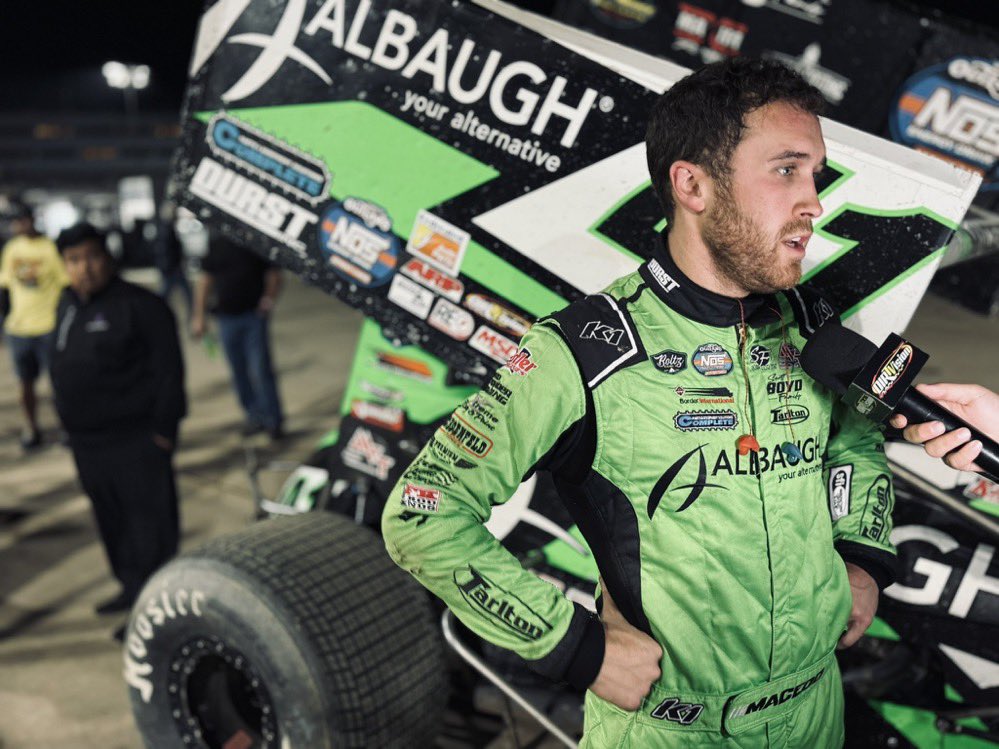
point(502, 607)
point(711, 360)
point(788, 414)
point(438, 242)
point(669, 361)
point(877, 509)
point(421, 498)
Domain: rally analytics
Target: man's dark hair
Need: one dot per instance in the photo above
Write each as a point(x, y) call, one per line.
point(701, 118)
point(78, 234)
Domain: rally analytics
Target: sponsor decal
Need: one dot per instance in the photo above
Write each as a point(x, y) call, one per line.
point(623, 14)
point(251, 203)
point(403, 365)
point(711, 360)
point(496, 313)
point(840, 485)
point(275, 162)
point(705, 421)
point(701, 33)
point(691, 395)
point(398, 41)
point(497, 390)
point(597, 331)
point(438, 242)
point(355, 238)
point(445, 453)
point(500, 606)
point(777, 698)
point(410, 296)
point(428, 473)
point(785, 389)
point(788, 414)
point(806, 10)
point(451, 320)
point(822, 311)
point(878, 504)
point(831, 84)
point(695, 488)
point(669, 361)
point(99, 324)
point(673, 710)
point(383, 417)
point(366, 453)
point(951, 110)
point(893, 368)
point(983, 489)
point(759, 356)
point(382, 393)
point(520, 364)
point(153, 611)
point(421, 498)
point(788, 356)
point(663, 278)
point(480, 411)
point(492, 344)
point(467, 437)
point(433, 279)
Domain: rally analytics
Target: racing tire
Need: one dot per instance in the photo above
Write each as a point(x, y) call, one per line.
point(297, 632)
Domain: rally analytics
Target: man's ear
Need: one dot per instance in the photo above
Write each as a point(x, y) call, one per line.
point(689, 183)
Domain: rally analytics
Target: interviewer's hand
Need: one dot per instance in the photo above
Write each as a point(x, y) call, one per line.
point(631, 660)
point(975, 404)
point(865, 604)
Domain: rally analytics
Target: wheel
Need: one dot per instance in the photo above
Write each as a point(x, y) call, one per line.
point(298, 632)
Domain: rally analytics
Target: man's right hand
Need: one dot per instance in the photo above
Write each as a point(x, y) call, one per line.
point(631, 659)
point(197, 326)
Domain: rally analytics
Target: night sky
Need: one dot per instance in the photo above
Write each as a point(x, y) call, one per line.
point(52, 50)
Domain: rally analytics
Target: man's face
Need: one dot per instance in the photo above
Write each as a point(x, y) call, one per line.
point(22, 226)
point(88, 267)
point(759, 219)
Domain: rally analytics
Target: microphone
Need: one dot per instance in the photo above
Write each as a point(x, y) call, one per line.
point(877, 382)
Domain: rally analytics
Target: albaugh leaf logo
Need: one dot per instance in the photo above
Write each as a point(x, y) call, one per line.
point(274, 49)
point(664, 484)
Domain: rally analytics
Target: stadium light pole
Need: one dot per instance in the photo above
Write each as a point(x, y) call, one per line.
point(130, 79)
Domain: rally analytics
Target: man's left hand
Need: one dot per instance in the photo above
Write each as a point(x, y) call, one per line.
point(865, 604)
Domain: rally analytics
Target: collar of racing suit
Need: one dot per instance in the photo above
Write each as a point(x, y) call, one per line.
point(695, 302)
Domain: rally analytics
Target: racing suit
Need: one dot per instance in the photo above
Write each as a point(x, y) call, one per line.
point(732, 561)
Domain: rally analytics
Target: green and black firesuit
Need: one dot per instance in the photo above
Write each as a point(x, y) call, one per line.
point(733, 561)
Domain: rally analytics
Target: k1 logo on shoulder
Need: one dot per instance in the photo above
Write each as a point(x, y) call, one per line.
point(603, 333)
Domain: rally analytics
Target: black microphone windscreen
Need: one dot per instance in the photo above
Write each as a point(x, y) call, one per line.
point(834, 355)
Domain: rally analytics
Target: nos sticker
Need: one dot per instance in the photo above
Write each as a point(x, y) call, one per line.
point(711, 360)
point(355, 236)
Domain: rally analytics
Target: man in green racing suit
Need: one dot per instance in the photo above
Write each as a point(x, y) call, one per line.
point(738, 514)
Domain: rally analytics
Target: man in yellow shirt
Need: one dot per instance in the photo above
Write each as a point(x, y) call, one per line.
point(32, 276)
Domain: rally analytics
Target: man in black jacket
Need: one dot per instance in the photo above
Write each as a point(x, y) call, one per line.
point(118, 377)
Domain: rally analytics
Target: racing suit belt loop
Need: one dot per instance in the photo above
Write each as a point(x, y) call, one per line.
point(735, 712)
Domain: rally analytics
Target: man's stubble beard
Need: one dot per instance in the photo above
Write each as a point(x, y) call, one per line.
point(741, 250)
